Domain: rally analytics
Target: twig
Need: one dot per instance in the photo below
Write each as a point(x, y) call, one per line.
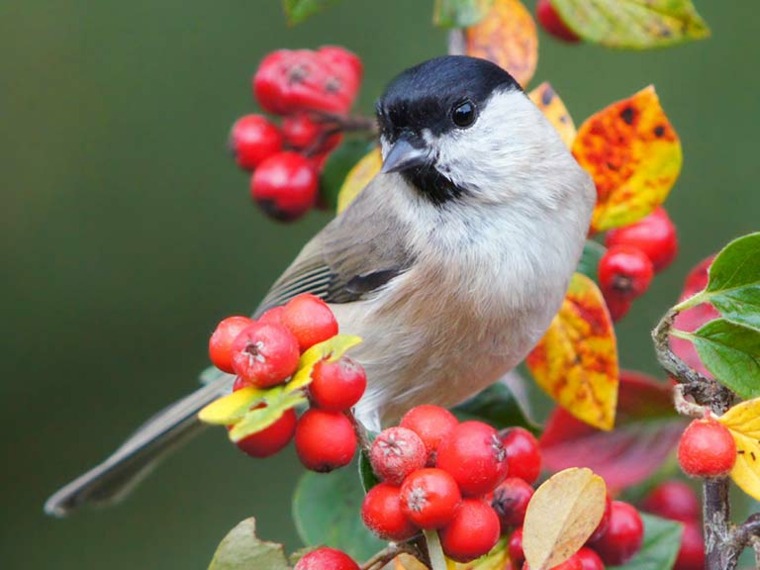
point(388, 553)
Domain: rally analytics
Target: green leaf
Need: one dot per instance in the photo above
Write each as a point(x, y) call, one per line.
point(366, 473)
point(495, 405)
point(633, 24)
point(340, 161)
point(326, 510)
point(589, 263)
point(297, 11)
point(731, 353)
point(459, 13)
point(734, 285)
point(241, 550)
point(662, 539)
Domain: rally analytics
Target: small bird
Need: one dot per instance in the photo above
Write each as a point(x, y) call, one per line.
point(450, 264)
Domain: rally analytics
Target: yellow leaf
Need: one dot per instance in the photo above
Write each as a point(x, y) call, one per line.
point(507, 37)
point(232, 407)
point(563, 512)
point(576, 361)
point(552, 106)
point(358, 177)
point(332, 349)
point(743, 421)
point(634, 156)
point(278, 401)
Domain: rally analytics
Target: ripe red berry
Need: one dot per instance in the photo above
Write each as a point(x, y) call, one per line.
point(382, 514)
point(220, 344)
point(510, 501)
point(253, 139)
point(674, 500)
point(589, 559)
point(429, 497)
point(338, 385)
point(601, 528)
point(265, 354)
point(474, 455)
point(325, 558)
point(272, 439)
point(285, 186)
point(303, 133)
point(310, 319)
point(573, 563)
point(523, 454)
point(655, 235)
point(473, 531)
point(432, 424)
point(617, 305)
point(624, 535)
point(395, 453)
point(551, 21)
point(691, 554)
point(325, 440)
point(515, 547)
point(273, 315)
point(341, 57)
point(706, 449)
point(625, 272)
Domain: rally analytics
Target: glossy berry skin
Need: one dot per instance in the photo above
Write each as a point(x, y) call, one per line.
point(625, 272)
point(474, 455)
point(515, 548)
point(706, 449)
point(310, 319)
point(691, 555)
point(382, 514)
point(272, 439)
point(325, 440)
point(523, 454)
point(273, 315)
point(553, 23)
point(601, 528)
point(265, 354)
point(221, 341)
point(432, 424)
point(303, 133)
point(395, 453)
point(285, 186)
point(589, 559)
point(253, 139)
point(674, 500)
point(337, 386)
point(654, 235)
point(617, 306)
point(624, 535)
point(473, 531)
point(510, 501)
point(325, 558)
point(430, 497)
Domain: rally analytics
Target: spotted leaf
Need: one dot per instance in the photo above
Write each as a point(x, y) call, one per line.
point(743, 421)
point(552, 106)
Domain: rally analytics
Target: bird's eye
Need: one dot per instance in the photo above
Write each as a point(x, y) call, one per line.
point(463, 114)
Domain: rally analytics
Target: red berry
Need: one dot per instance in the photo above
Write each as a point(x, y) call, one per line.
point(240, 383)
point(473, 531)
point(624, 535)
point(265, 354)
point(382, 514)
point(302, 132)
point(474, 455)
point(325, 440)
point(523, 454)
point(271, 439)
point(589, 559)
point(706, 449)
point(285, 186)
point(601, 528)
point(510, 501)
point(220, 344)
point(395, 453)
point(673, 500)
point(338, 385)
point(253, 139)
point(573, 563)
point(553, 23)
point(432, 424)
point(691, 555)
point(325, 558)
point(273, 315)
point(429, 497)
point(341, 57)
point(625, 272)
point(515, 546)
point(617, 305)
point(310, 319)
point(655, 235)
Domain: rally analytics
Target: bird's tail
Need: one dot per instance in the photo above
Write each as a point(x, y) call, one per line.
point(118, 474)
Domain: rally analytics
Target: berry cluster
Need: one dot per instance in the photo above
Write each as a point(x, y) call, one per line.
point(311, 91)
point(634, 254)
point(266, 352)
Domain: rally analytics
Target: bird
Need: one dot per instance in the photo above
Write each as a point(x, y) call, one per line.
point(450, 264)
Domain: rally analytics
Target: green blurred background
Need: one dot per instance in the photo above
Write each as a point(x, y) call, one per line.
point(127, 234)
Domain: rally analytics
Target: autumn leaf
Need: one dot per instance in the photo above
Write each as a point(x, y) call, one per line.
point(242, 549)
point(358, 177)
point(634, 156)
point(743, 421)
point(552, 106)
point(507, 37)
point(576, 361)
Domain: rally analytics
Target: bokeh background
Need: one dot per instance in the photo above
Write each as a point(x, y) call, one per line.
point(127, 233)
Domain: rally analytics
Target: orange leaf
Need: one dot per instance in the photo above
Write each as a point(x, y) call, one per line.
point(634, 156)
point(506, 36)
point(576, 361)
point(552, 106)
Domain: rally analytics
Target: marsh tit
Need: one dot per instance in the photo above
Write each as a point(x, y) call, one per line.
point(450, 264)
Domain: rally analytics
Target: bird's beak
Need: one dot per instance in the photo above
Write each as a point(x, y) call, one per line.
point(405, 154)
